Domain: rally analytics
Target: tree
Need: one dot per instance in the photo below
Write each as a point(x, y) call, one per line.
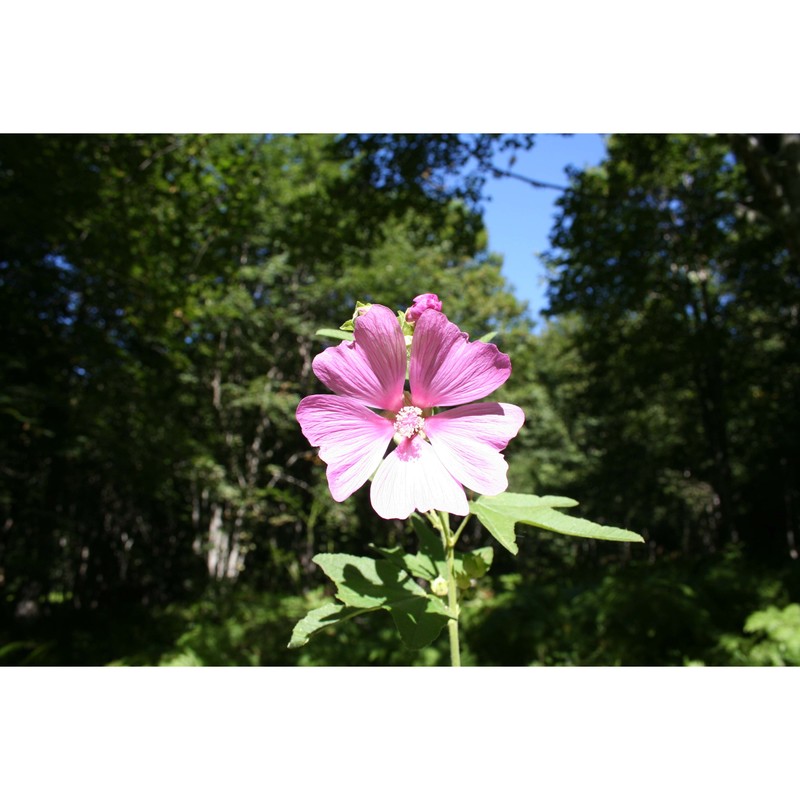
point(163, 293)
point(683, 314)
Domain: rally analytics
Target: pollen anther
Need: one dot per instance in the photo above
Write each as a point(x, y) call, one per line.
point(409, 421)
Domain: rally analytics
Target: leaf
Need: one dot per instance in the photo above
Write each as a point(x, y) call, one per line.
point(320, 618)
point(501, 513)
point(368, 584)
point(488, 337)
point(419, 620)
point(476, 564)
point(429, 563)
point(419, 565)
point(430, 545)
point(332, 333)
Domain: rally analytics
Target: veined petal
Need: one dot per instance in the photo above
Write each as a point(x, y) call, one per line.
point(352, 440)
point(372, 368)
point(468, 441)
point(446, 369)
point(412, 478)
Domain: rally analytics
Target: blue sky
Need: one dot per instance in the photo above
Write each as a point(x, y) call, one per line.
point(519, 216)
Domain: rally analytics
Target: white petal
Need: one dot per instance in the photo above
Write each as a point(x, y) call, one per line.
point(411, 478)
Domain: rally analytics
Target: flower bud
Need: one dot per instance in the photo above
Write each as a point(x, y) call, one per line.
point(439, 586)
point(422, 302)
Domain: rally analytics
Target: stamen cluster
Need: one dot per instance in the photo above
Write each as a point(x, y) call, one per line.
point(409, 421)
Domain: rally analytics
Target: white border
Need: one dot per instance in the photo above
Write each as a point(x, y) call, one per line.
point(578, 66)
point(386, 733)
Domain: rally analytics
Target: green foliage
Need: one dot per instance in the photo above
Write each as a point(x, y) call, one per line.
point(501, 513)
point(671, 612)
point(320, 618)
point(674, 292)
point(772, 638)
point(246, 628)
point(369, 584)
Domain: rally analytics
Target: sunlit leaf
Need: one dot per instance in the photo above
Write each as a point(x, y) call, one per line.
point(419, 565)
point(369, 584)
point(332, 333)
point(501, 513)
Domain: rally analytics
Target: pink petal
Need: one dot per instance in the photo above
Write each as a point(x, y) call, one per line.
point(447, 370)
point(412, 478)
point(468, 441)
point(373, 368)
point(352, 439)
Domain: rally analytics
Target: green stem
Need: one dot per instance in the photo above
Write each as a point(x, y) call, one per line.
point(449, 541)
point(460, 528)
point(452, 596)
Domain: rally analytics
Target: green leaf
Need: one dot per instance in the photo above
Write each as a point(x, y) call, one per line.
point(369, 584)
point(430, 544)
point(366, 583)
point(332, 333)
point(320, 618)
point(419, 565)
point(476, 564)
point(501, 513)
point(488, 337)
point(419, 620)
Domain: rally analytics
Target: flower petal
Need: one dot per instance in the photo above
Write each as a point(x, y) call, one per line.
point(372, 368)
point(412, 478)
point(352, 439)
point(447, 370)
point(468, 441)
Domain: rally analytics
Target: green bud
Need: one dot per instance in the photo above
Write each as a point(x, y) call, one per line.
point(439, 586)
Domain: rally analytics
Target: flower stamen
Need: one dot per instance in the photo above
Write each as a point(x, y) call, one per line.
point(409, 421)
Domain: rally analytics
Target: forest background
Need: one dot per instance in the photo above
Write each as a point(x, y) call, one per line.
point(159, 297)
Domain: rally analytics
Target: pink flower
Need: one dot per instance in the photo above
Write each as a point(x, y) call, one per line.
point(436, 454)
point(421, 303)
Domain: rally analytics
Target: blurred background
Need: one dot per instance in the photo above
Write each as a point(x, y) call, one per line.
point(159, 296)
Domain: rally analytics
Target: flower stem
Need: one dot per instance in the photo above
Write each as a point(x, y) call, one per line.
point(452, 596)
point(449, 541)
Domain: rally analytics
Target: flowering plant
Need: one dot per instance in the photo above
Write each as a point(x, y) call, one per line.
point(412, 379)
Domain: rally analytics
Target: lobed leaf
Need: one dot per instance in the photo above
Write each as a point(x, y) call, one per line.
point(366, 584)
point(419, 565)
point(501, 513)
point(320, 618)
point(419, 620)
